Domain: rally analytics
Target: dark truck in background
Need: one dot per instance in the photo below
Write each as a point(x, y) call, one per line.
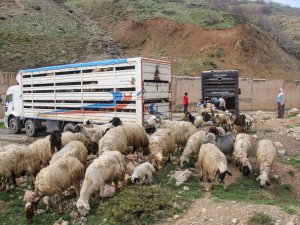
point(218, 83)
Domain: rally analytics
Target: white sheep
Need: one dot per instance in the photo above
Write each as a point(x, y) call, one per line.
point(143, 172)
point(11, 163)
point(114, 140)
point(136, 136)
point(109, 167)
point(229, 120)
point(220, 118)
point(73, 148)
point(212, 161)
point(53, 180)
point(161, 145)
point(241, 151)
point(192, 147)
point(180, 129)
point(265, 156)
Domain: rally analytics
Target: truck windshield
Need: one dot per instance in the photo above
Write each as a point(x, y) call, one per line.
point(9, 98)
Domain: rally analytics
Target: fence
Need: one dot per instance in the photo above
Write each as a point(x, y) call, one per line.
point(255, 93)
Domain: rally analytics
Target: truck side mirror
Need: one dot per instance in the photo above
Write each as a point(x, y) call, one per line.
point(239, 91)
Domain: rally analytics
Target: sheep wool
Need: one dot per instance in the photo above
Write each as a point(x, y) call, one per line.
point(109, 167)
point(220, 118)
point(11, 162)
point(136, 135)
point(213, 162)
point(182, 130)
point(242, 147)
point(75, 149)
point(162, 144)
point(143, 172)
point(265, 156)
point(114, 140)
point(192, 147)
point(54, 179)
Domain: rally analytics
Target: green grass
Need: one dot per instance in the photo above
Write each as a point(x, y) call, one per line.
point(268, 130)
point(2, 125)
point(292, 160)
point(261, 218)
point(133, 205)
point(293, 126)
point(248, 190)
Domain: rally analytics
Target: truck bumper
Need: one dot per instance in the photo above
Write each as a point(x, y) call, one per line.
point(6, 121)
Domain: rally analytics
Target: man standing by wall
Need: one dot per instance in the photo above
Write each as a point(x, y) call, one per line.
point(280, 103)
point(185, 102)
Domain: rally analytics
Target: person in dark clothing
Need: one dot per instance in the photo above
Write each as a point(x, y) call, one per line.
point(215, 101)
point(185, 102)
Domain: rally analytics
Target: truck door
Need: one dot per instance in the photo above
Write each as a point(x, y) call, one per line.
point(9, 104)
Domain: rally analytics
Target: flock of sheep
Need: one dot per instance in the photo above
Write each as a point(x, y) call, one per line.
point(63, 160)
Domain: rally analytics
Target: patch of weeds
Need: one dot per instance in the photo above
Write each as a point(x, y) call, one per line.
point(248, 190)
point(268, 130)
point(251, 131)
point(292, 160)
point(210, 65)
point(261, 218)
point(290, 126)
point(150, 204)
point(2, 125)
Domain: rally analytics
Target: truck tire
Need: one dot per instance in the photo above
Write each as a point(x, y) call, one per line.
point(14, 126)
point(69, 127)
point(30, 128)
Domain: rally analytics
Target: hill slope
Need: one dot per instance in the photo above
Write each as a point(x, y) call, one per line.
point(193, 34)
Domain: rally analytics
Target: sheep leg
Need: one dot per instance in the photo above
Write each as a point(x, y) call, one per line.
point(116, 183)
point(60, 208)
point(14, 180)
point(77, 189)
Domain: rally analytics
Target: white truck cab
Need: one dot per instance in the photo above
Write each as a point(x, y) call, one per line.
point(13, 108)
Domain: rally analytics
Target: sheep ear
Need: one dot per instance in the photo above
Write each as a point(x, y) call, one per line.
point(230, 174)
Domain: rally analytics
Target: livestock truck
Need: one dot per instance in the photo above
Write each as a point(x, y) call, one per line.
point(59, 97)
point(218, 83)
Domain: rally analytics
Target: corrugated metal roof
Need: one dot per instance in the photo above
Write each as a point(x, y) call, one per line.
point(77, 65)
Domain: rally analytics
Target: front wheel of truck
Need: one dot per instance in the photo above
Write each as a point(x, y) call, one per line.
point(14, 126)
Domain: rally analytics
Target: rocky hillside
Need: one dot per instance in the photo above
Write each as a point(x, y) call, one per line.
point(194, 35)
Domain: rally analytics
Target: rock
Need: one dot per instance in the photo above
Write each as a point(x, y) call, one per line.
point(181, 176)
point(278, 144)
point(36, 7)
point(74, 215)
point(65, 223)
point(185, 188)
point(40, 211)
point(203, 210)
point(234, 221)
point(176, 217)
point(290, 223)
point(12, 187)
point(278, 222)
point(276, 176)
point(20, 181)
point(109, 191)
point(293, 112)
point(281, 151)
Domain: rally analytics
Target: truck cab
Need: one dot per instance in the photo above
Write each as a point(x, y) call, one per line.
point(222, 83)
point(13, 108)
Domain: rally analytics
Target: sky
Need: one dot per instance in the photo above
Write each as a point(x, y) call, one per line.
point(293, 3)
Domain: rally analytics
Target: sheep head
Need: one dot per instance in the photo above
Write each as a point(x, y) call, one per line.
point(157, 160)
point(116, 121)
point(209, 138)
point(134, 179)
point(221, 176)
point(30, 209)
point(83, 207)
point(55, 141)
point(264, 179)
point(246, 171)
point(214, 130)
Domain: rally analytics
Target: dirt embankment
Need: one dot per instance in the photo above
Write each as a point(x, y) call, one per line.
point(193, 49)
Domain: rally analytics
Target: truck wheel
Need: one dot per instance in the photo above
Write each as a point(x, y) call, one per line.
point(14, 126)
point(30, 128)
point(69, 127)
